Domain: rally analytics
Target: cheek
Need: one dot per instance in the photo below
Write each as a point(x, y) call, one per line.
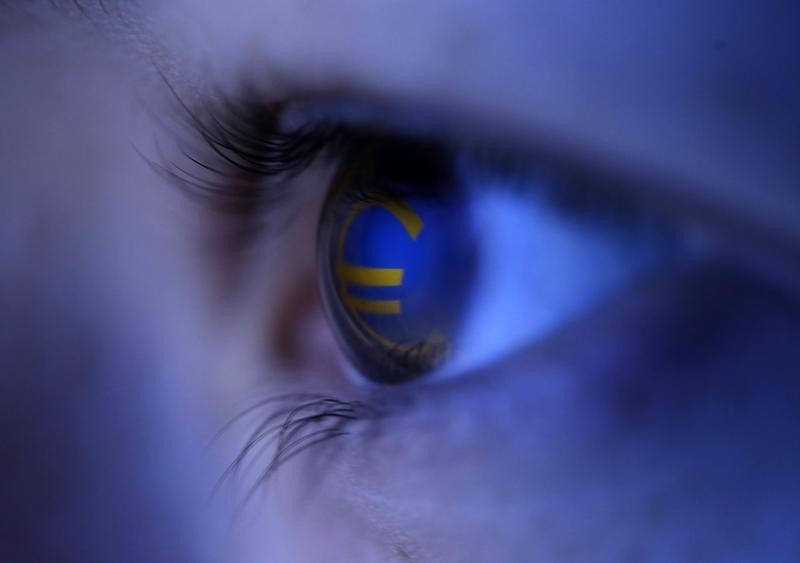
point(662, 427)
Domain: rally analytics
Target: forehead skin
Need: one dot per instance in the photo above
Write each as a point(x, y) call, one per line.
point(704, 93)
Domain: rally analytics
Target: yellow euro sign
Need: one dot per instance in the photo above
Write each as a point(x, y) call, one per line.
point(351, 274)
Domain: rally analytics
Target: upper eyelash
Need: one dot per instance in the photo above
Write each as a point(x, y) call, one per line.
point(238, 156)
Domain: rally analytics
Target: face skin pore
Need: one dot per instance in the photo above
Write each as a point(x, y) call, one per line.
point(660, 426)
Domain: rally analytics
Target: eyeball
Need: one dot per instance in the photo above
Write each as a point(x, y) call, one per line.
point(433, 263)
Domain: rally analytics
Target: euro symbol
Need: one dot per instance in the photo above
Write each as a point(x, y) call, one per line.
point(351, 274)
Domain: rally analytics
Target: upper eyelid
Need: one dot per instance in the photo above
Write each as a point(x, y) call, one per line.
point(302, 116)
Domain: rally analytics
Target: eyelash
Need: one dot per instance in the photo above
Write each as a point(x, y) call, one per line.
point(299, 422)
point(237, 159)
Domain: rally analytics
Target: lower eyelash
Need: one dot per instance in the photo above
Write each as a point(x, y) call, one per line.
point(300, 422)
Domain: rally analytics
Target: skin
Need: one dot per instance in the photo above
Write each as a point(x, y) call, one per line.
point(662, 426)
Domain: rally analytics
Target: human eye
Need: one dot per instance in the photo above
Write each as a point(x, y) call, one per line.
point(439, 254)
